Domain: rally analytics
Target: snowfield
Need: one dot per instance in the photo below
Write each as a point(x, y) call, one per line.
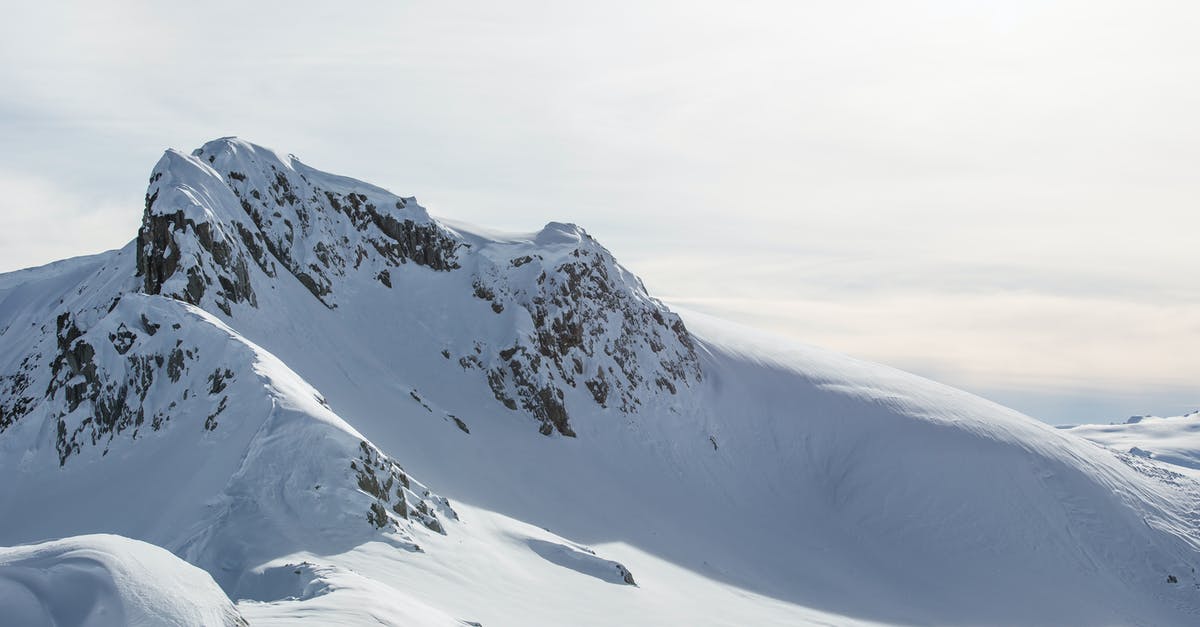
point(1174, 441)
point(348, 411)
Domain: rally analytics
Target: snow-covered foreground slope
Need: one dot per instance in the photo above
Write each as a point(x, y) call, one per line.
point(243, 384)
point(101, 580)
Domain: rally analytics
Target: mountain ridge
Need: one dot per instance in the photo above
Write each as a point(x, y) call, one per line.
point(318, 228)
point(732, 475)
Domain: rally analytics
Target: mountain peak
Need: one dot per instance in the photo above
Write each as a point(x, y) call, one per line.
point(234, 221)
point(240, 384)
point(233, 145)
point(231, 205)
point(557, 233)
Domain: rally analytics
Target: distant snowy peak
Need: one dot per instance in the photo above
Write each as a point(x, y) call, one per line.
point(1173, 440)
point(233, 221)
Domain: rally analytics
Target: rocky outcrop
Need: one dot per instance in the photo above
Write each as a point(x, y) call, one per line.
point(98, 390)
point(184, 250)
point(220, 267)
point(397, 497)
point(210, 216)
point(594, 328)
point(318, 233)
point(16, 396)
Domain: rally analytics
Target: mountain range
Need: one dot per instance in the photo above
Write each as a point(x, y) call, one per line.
point(295, 395)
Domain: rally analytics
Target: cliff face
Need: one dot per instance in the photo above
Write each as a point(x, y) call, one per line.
point(592, 327)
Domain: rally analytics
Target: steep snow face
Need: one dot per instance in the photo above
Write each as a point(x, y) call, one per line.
point(232, 222)
point(1174, 440)
point(920, 487)
point(102, 580)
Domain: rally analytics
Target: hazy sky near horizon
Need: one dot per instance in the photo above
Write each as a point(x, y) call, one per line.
point(1001, 195)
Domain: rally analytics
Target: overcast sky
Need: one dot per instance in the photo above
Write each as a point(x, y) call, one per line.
point(1001, 195)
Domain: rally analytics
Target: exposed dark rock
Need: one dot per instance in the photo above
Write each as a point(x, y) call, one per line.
point(110, 401)
point(598, 386)
point(380, 477)
point(175, 365)
point(587, 314)
point(157, 256)
point(150, 327)
point(483, 292)
point(216, 380)
point(123, 339)
point(293, 217)
point(158, 259)
point(15, 400)
point(210, 423)
point(496, 382)
point(415, 397)
point(423, 244)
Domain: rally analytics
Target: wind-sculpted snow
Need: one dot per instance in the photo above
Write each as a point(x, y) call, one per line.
point(103, 580)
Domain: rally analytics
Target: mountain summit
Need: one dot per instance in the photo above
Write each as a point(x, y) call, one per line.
point(234, 219)
point(342, 408)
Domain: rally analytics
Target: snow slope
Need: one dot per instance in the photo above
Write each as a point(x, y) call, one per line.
point(608, 459)
point(99, 580)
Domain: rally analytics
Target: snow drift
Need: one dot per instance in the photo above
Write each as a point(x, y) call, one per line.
point(100, 580)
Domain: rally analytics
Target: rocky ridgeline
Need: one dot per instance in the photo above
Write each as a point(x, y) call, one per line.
point(397, 496)
point(222, 222)
point(101, 378)
point(208, 217)
point(594, 328)
point(124, 373)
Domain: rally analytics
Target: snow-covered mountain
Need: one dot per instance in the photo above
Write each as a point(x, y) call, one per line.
point(1173, 440)
point(345, 409)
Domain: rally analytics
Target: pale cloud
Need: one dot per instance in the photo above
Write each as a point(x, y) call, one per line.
point(1028, 336)
point(984, 187)
point(1000, 339)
